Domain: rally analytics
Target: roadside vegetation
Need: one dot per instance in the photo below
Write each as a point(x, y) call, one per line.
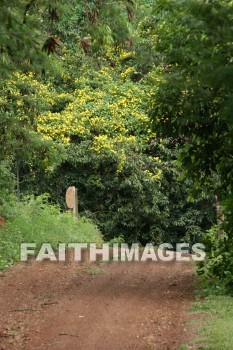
point(34, 220)
point(215, 325)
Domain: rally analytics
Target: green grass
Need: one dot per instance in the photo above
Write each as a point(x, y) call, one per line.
point(183, 347)
point(216, 332)
point(94, 270)
point(36, 221)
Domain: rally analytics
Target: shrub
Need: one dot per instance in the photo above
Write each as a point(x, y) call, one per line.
point(34, 220)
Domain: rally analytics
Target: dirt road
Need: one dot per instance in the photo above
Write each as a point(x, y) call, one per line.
point(86, 306)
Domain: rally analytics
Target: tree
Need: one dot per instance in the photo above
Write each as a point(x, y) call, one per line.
point(114, 159)
point(31, 54)
point(193, 94)
point(31, 30)
point(85, 121)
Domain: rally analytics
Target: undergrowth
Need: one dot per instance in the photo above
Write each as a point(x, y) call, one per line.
point(34, 220)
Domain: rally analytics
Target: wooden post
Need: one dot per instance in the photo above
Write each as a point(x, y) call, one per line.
point(72, 200)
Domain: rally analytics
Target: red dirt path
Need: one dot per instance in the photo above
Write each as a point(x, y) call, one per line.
point(105, 306)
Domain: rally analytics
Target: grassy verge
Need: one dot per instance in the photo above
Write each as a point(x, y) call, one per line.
point(216, 330)
point(36, 221)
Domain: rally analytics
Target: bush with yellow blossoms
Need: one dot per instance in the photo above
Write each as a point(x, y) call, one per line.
point(123, 183)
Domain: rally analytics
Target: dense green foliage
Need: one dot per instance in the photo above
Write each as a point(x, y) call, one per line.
point(7, 183)
point(36, 221)
point(78, 82)
point(111, 156)
point(131, 102)
point(193, 101)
